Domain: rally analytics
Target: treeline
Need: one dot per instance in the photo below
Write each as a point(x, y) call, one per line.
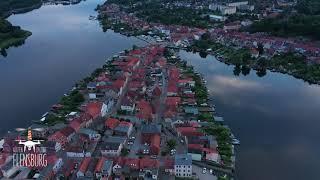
point(295, 25)
point(311, 7)
point(176, 16)
point(8, 5)
point(8, 30)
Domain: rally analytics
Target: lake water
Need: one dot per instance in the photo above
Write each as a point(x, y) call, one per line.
point(64, 48)
point(276, 117)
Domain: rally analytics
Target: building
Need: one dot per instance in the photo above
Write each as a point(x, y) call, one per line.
point(224, 10)
point(183, 165)
point(123, 129)
point(227, 10)
point(232, 26)
point(103, 168)
point(94, 109)
point(148, 131)
point(111, 149)
point(237, 4)
point(217, 18)
point(93, 135)
point(127, 105)
point(107, 106)
point(83, 167)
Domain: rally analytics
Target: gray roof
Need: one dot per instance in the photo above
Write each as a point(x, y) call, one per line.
point(107, 165)
point(150, 128)
point(122, 128)
point(183, 159)
point(115, 139)
point(92, 85)
point(112, 146)
point(87, 131)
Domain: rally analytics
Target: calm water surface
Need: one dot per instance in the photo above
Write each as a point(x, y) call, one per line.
point(65, 47)
point(276, 117)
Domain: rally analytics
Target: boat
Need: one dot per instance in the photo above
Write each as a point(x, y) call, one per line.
point(45, 114)
point(235, 142)
point(92, 17)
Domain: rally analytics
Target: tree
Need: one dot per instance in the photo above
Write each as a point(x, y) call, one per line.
point(203, 54)
point(171, 144)
point(260, 49)
point(124, 152)
point(237, 70)
point(245, 70)
point(261, 72)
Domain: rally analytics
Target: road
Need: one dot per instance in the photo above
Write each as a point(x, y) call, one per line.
point(201, 175)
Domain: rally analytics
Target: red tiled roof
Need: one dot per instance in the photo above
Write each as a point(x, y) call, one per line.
point(155, 141)
point(125, 123)
point(173, 101)
point(67, 131)
point(100, 164)
point(195, 146)
point(148, 163)
point(189, 131)
point(112, 123)
point(76, 124)
point(118, 83)
point(132, 163)
point(145, 110)
point(94, 109)
point(84, 164)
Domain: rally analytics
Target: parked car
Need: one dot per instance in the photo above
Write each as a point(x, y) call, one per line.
point(204, 170)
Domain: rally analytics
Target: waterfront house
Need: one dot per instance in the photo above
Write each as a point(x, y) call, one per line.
point(94, 109)
point(191, 110)
point(91, 86)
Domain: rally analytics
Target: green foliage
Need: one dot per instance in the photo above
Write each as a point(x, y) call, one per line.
point(52, 119)
point(8, 5)
point(71, 102)
point(308, 7)
point(223, 137)
point(10, 35)
point(125, 152)
point(171, 144)
point(297, 25)
point(205, 117)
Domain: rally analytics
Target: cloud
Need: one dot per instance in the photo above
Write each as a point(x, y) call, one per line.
point(236, 83)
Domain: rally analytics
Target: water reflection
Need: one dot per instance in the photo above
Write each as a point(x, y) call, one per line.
point(275, 116)
point(3, 51)
point(64, 48)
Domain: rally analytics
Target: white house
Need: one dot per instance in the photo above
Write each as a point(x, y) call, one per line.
point(111, 149)
point(183, 165)
point(107, 106)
